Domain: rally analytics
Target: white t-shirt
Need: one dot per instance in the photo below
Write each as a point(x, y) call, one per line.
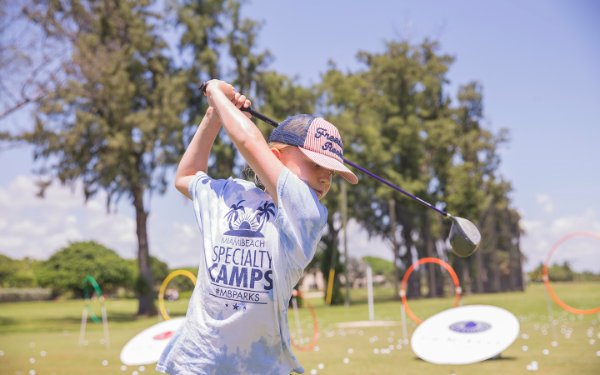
point(252, 254)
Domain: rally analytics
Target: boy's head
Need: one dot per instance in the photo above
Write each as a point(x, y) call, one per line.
point(318, 139)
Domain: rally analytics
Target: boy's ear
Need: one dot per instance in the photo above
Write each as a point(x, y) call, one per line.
point(276, 152)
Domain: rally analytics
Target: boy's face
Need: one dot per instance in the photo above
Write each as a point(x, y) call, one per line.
point(317, 177)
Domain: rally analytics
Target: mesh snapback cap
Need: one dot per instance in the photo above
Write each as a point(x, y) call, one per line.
point(318, 139)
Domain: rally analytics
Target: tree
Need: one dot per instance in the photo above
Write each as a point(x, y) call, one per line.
point(213, 34)
point(7, 269)
point(556, 273)
point(387, 109)
point(404, 126)
point(160, 270)
point(28, 62)
point(65, 270)
point(113, 121)
point(122, 109)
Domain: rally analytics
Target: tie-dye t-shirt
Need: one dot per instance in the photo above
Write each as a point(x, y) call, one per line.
point(252, 254)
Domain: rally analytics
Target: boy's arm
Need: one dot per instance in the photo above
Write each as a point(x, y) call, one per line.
point(195, 157)
point(245, 135)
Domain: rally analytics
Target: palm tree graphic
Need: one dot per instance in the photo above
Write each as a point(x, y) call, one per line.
point(232, 215)
point(264, 212)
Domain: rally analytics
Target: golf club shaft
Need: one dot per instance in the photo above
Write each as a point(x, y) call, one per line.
point(346, 161)
point(352, 164)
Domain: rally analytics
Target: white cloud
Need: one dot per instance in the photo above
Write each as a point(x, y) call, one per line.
point(542, 234)
point(545, 202)
point(36, 228)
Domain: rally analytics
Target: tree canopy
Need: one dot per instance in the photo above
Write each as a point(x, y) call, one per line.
point(65, 270)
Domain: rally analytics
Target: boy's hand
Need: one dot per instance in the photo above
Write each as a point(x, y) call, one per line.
point(241, 101)
point(224, 87)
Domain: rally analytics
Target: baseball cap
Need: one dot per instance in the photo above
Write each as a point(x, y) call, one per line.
point(318, 139)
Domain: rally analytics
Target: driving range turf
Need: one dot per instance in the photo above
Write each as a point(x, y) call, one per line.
point(43, 337)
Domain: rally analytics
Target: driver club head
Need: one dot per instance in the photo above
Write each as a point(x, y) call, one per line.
point(464, 237)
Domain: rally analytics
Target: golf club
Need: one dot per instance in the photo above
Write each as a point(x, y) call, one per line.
point(464, 237)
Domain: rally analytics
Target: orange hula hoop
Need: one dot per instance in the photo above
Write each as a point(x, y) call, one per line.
point(546, 278)
point(457, 289)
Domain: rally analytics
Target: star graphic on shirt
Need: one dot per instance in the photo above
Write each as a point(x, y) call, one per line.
point(236, 306)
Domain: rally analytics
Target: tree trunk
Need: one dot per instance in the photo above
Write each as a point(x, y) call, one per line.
point(414, 282)
point(145, 283)
point(429, 249)
point(516, 269)
point(395, 247)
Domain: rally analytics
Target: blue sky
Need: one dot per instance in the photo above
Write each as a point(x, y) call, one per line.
point(536, 60)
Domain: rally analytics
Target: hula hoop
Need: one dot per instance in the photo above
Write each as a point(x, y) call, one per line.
point(457, 289)
point(313, 342)
point(546, 278)
point(89, 280)
point(163, 288)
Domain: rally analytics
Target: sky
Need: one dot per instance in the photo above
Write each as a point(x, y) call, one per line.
point(536, 60)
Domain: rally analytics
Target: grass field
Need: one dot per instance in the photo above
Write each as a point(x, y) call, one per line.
point(42, 337)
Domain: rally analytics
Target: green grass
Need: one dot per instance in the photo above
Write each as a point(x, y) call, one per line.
point(28, 329)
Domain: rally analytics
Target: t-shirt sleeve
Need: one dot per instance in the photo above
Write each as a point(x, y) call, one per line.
point(203, 183)
point(205, 192)
point(302, 217)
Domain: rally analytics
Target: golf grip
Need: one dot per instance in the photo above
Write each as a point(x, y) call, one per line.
point(346, 161)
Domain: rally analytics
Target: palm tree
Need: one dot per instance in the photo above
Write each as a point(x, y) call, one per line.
point(233, 215)
point(264, 213)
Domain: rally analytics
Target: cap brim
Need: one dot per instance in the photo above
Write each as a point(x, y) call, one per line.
point(331, 164)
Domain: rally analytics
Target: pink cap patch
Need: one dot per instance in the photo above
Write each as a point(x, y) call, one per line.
point(324, 138)
point(324, 146)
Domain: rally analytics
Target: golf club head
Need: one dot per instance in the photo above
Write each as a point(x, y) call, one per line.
point(464, 237)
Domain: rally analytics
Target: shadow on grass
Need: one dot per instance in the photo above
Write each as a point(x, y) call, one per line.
point(59, 324)
point(493, 359)
point(4, 321)
point(498, 358)
point(502, 358)
point(116, 317)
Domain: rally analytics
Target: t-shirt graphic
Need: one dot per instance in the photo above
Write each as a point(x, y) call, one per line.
point(240, 266)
